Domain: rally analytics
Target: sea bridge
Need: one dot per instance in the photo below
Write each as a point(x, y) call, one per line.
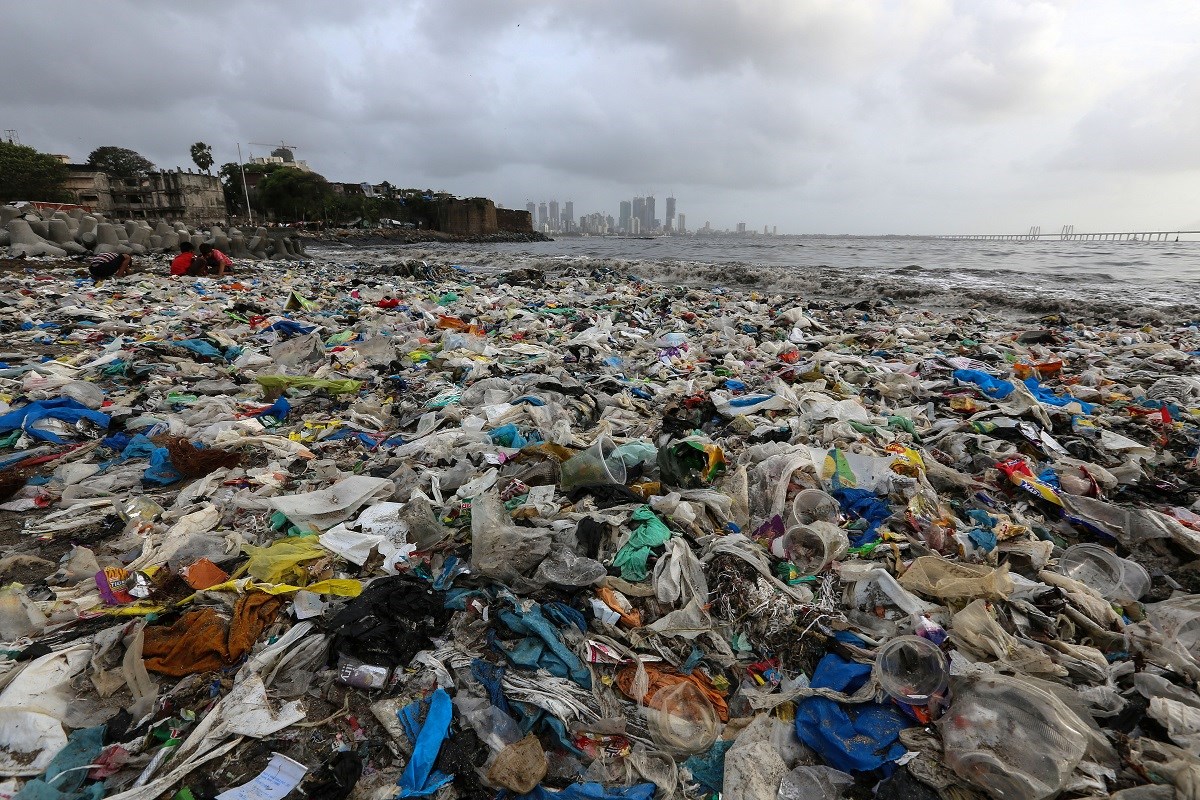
point(1069, 234)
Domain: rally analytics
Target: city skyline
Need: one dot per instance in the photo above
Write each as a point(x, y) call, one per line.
point(636, 216)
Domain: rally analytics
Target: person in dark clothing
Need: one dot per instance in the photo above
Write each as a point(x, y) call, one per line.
point(109, 265)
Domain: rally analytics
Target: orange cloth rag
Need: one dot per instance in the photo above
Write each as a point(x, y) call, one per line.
point(203, 641)
point(662, 677)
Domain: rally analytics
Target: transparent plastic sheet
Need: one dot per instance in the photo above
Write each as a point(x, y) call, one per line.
point(320, 510)
point(500, 549)
point(937, 577)
point(814, 783)
point(978, 632)
point(1010, 738)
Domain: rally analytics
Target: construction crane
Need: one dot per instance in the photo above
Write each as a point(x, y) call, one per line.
point(289, 148)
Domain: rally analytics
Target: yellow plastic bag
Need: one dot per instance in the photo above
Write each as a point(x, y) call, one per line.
point(280, 562)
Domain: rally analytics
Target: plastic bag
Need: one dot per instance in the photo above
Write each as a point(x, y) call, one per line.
point(500, 549)
point(321, 510)
point(933, 576)
point(280, 562)
point(1010, 738)
point(682, 720)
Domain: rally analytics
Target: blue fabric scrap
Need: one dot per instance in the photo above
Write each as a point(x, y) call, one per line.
point(419, 778)
point(863, 504)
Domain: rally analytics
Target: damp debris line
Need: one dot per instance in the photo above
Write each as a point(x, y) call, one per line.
point(414, 529)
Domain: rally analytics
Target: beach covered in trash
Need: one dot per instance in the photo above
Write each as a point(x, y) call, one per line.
point(389, 527)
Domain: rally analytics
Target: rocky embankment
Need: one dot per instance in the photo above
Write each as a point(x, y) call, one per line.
point(27, 232)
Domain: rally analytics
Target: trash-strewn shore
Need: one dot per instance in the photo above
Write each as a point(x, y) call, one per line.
point(400, 522)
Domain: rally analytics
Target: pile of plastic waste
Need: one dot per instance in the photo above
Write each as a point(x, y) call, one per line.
point(423, 531)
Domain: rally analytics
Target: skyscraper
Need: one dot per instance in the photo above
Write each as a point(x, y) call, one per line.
point(683, 223)
point(648, 220)
point(554, 218)
point(541, 215)
point(568, 215)
point(670, 213)
point(531, 207)
point(639, 213)
point(626, 215)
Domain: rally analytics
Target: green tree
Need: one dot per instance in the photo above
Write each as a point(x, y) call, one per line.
point(26, 174)
point(202, 156)
point(289, 193)
point(119, 162)
point(231, 178)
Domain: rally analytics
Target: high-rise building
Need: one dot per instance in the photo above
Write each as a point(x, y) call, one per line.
point(741, 228)
point(554, 218)
point(626, 215)
point(568, 217)
point(683, 223)
point(531, 207)
point(670, 213)
point(542, 214)
point(648, 222)
point(635, 226)
point(639, 213)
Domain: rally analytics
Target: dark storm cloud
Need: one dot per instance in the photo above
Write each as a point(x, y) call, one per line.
point(813, 112)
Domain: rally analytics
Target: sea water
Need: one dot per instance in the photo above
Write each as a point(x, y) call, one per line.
point(1090, 278)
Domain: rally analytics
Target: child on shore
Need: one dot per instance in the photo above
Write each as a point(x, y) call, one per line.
point(215, 260)
point(188, 262)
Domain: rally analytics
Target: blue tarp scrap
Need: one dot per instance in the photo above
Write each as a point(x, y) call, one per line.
point(62, 408)
point(1048, 397)
point(419, 778)
point(290, 328)
point(708, 769)
point(199, 347)
point(277, 411)
point(160, 471)
point(490, 677)
point(993, 387)
point(852, 737)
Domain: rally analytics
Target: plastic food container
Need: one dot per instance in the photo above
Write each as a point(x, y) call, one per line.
point(912, 670)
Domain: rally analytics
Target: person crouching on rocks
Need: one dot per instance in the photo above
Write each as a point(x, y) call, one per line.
point(188, 262)
point(109, 265)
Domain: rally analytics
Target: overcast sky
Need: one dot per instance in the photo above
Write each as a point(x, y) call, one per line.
point(839, 116)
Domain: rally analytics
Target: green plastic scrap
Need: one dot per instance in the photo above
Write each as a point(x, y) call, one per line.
point(897, 422)
point(282, 382)
point(650, 532)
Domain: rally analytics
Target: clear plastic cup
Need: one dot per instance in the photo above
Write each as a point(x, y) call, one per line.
point(1135, 581)
point(912, 670)
point(1094, 566)
point(812, 505)
point(815, 546)
point(595, 466)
